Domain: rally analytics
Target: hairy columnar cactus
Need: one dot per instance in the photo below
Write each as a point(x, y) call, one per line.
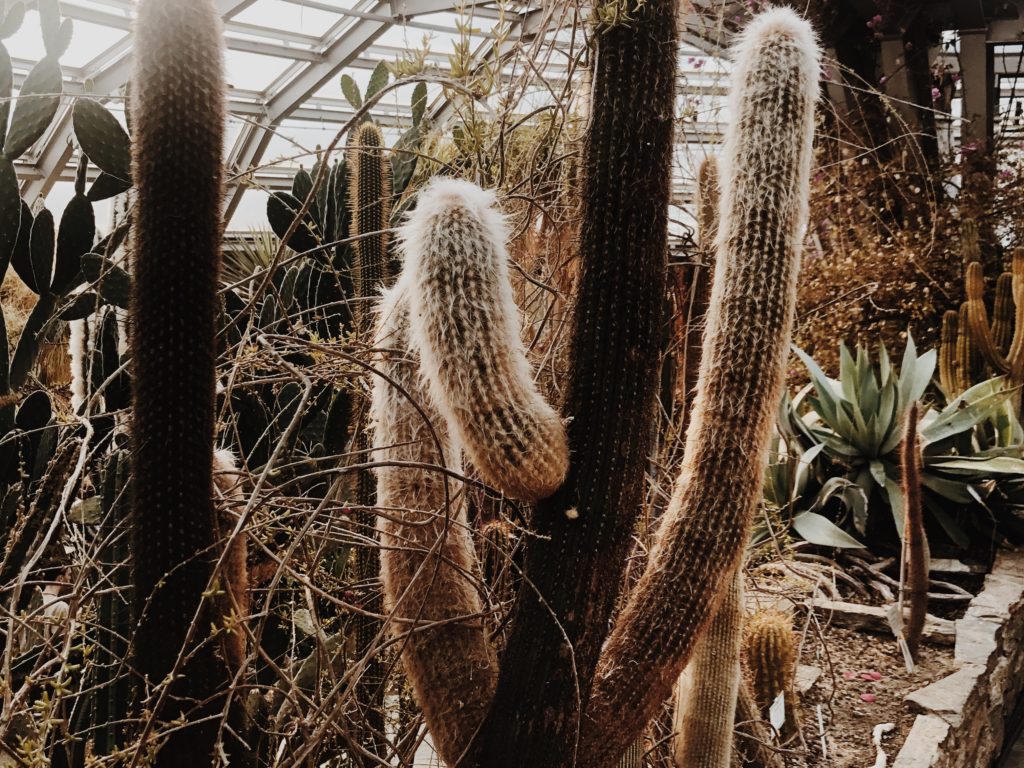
point(949, 371)
point(451, 333)
point(179, 117)
point(968, 358)
point(701, 538)
point(770, 656)
point(706, 692)
point(915, 542)
point(701, 274)
point(573, 569)
point(1003, 313)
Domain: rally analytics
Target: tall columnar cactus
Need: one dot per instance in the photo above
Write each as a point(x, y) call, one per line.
point(915, 541)
point(573, 569)
point(369, 200)
point(702, 537)
point(369, 204)
point(707, 691)
point(453, 328)
point(770, 655)
point(179, 118)
point(949, 370)
point(1003, 311)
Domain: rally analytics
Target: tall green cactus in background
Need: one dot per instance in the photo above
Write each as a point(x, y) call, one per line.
point(179, 118)
point(445, 391)
point(369, 205)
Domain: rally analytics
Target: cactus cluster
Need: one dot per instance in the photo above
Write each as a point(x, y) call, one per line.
point(971, 347)
point(455, 381)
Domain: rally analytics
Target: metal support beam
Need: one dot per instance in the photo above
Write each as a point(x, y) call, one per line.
point(248, 151)
point(977, 81)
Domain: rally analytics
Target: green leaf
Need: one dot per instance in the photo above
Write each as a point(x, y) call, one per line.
point(997, 465)
point(28, 344)
point(80, 307)
point(10, 212)
point(37, 104)
point(103, 139)
point(75, 237)
point(419, 103)
point(819, 530)
point(12, 21)
point(351, 92)
point(378, 79)
point(112, 282)
point(42, 246)
point(107, 186)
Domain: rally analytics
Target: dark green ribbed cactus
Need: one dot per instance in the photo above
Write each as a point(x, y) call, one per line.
point(179, 118)
point(369, 205)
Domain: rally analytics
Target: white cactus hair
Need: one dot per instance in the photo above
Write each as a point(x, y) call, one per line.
point(77, 349)
point(466, 327)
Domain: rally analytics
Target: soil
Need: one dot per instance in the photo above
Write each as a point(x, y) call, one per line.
point(863, 683)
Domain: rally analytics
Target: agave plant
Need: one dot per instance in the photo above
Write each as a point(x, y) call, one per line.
point(970, 445)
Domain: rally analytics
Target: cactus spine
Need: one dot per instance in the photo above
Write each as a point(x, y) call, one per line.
point(701, 538)
point(770, 657)
point(915, 542)
point(707, 691)
point(179, 116)
point(1011, 362)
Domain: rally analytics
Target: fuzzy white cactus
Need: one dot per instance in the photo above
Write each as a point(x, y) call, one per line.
point(465, 325)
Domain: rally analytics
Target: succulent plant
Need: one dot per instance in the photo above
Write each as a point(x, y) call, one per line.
point(769, 653)
point(178, 174)
point(426, 416)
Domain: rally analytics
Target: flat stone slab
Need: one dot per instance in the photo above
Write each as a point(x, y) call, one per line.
point(872, 618)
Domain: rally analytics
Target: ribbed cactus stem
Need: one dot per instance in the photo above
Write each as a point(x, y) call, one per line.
point(707, 691)
point(769, 651)
point(949, 375)
point(702, 535)
point(1011, 363)
point(915, 541)
point(427, 558)
point(968, 358)
point(369, 201)
point(179, 118)
point(465, 325)
point(1003, 313)
point(227, 482)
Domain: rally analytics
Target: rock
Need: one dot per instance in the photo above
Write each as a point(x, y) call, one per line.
point(805, 678)
point(925, 743)
point(948, 697)
point(873, 619)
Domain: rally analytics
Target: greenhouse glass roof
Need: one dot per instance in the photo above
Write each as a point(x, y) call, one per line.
point(284, 64)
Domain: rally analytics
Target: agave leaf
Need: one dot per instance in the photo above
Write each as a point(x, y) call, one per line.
point(948, 524)
point(947, 488)
point(848, 374)
point(954, 419)
point(802, 471)
point(993, 465)
point(819, 530)
point(894, 493)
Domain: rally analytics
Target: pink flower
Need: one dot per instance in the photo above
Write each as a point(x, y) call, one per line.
point(882, 79)
point(868, 697)
point(871, 675)
point(936, 94)
point(874, 21)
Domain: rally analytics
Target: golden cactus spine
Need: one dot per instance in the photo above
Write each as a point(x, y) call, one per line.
point(466, 328)
point(769, 654)
point(701, 538)
point(179, 117)
point(706, 692)
point(915, 544)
